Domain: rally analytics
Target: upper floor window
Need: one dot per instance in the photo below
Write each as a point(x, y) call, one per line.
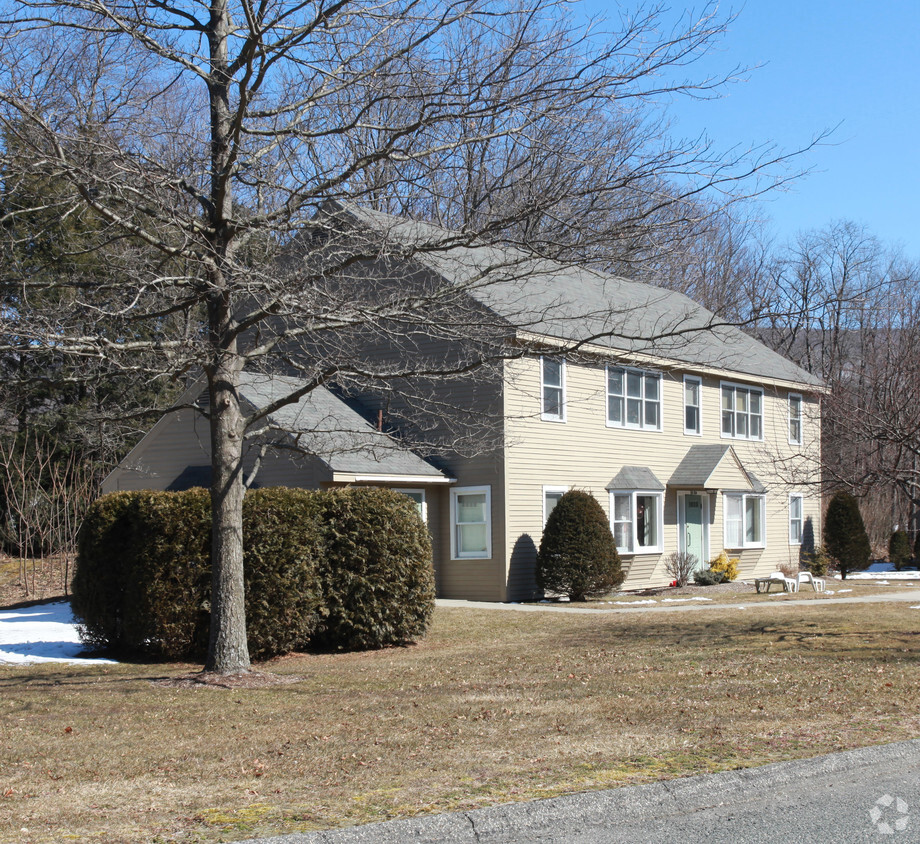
point(693, 388)
point(795, 419)
point(636, 521)
point(742, 412)
point(744, 520)
point(552, 384)
point(633, 398)
point(795, 519)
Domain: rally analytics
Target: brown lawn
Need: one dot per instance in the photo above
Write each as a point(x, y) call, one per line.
point(493, 706)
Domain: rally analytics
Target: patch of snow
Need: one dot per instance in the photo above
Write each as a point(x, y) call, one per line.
point(914, 607)
point(676, 600)
point(43, 633)
point(648, 601)
point(841, 591)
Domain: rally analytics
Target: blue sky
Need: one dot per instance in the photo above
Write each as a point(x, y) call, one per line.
point(815, 65)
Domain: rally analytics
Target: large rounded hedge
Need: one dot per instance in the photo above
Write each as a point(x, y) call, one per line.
point(376, 572)
point(346, 568)
point(578, 555)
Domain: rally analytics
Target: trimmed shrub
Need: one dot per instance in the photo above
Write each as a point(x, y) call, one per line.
point(845, 534)
point(578, 556)
point(143, 577)
point(281, 554)
point(376, 572)
point(725, 565)
point(101, 574)
point(899, 549)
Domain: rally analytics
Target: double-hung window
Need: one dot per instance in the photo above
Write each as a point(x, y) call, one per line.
point(635, 518)
point(471, 523)
point(742, 412)
point(693, 388)
point(418, 497)
point(743, 520)
point(551, 496)
point(795, 518)
point(552, 389)
point(795, 419)
point(633, 398)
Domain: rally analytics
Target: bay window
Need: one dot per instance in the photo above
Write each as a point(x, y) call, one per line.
point(635, 519)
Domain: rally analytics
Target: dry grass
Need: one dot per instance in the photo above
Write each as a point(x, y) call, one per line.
point(491, 707)
point(44, 580)
point(744, 593)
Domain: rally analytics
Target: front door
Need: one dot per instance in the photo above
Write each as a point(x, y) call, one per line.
point(694, 526)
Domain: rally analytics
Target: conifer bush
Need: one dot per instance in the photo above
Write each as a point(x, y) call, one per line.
point(899, 549)
point(578, 555)
point(376, 572)
point(845, 535)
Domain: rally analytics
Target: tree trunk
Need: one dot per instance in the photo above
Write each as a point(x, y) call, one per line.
point(228, 651)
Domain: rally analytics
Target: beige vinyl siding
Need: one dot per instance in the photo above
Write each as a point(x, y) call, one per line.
point(181, 439)
point(584, 453)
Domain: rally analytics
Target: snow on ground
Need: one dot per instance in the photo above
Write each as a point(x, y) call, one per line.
point(883, 571)
point(43, 633)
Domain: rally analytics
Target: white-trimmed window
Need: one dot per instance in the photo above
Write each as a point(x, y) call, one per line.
point(693, 392)
point(636, 521)
point(742, 412)
point(796, 502)
point(743, 517)
point(418, 496)
point(795, 419)
point(551, 496)
point(471, 523)
point(633, 398)
point(552, 389)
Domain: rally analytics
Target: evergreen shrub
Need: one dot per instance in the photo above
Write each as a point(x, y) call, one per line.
point(375, 569)
point(899, 549)
point(725, 565)
point(578, 555)
point(845, 534)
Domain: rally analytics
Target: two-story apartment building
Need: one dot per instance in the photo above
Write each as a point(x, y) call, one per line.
point(692, 435)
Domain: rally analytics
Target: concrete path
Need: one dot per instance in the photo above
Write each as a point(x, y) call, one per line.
point(867, 795)
point(882, 598)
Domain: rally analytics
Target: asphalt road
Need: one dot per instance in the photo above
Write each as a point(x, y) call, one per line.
point(868, 795)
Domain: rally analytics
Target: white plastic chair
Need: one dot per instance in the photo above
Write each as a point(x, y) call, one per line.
point(817, 583)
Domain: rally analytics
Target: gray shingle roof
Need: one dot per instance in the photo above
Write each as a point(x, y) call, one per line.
point(701, 461)
point(635, 477)
point(332, 431)
point(576, 304)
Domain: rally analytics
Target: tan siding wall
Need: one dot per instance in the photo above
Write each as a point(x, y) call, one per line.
point(584, 453)
point(181, 439)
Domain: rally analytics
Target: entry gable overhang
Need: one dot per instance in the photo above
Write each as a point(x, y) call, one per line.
point(712, 467)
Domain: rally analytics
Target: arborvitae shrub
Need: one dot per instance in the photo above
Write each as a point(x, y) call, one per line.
point(578, 555)
point(143, 579)
point(899, 549)
point(103, 563)
point(282, 547)
point(819, 561)
point(376, 570)
point(845, 534)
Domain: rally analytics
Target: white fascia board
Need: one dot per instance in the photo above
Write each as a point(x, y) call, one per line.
point(349, 478)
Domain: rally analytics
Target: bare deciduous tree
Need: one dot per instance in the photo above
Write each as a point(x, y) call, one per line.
point(218, 147)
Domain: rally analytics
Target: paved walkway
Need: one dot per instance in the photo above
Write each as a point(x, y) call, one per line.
point(882, 598)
